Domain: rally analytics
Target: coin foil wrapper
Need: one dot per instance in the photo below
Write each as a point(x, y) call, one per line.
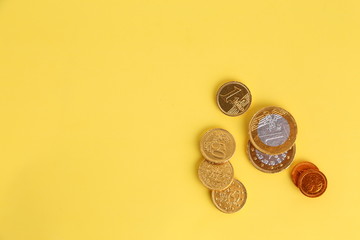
point(232, 199)
point(215, 176)
point(309, 179)
point(233, 98)
point(272, 130)
point(217, 145)
point(270, 163)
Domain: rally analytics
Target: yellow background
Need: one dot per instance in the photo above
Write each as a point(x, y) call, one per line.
point(103, 104)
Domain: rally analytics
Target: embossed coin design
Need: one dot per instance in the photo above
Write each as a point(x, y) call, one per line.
point(272, 130)
point(312, 183)
point(270, 163)
point(232, 199)
point(216, 176)
point(299, 168)
point(233, 98)
point(217, 145)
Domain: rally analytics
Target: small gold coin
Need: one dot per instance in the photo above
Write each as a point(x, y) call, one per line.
point(216, 176)
point(233, 98)
point(232, 199)
point(217, 145)
point(270, 163)
point(272, 130)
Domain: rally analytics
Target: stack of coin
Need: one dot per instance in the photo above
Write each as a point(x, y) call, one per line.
point(307, 177)
point(216, 172)
point(272, 132)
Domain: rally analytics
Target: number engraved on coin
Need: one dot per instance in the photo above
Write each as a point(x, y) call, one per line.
point(270, 163)
point(312, 183)
point(217, 145)
point(233, 98)
point(232, 199)
point(215, 176)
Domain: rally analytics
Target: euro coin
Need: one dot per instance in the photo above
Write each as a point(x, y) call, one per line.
point(299, 168)
point(272, 130)
point(217, 145)
point(215, 176)
point(232, 199)
point(233, 98)
point(312, 183)
point(270, 163)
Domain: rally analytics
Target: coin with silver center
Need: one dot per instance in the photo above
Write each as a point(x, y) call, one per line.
point(270, 163)
point(272, 130)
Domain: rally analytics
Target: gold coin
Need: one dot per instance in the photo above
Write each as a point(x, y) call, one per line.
point(272, 130)
point(217, 145)
point(215, 176)
point(270, 163)
point(233, 98)
point(231, 199)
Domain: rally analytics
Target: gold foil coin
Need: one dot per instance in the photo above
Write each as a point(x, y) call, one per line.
point(232, 199)
point(217, 145)
point(270, 163)
point(216, 176)
point(273, 130)
point(233, 98)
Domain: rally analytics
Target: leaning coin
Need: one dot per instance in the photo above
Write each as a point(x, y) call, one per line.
point(299, 168)
point(312, 183)
point(270, 163)
point(216, 176)
point(232, 199)
point(233, 98)
point(217, 145)
point(272, 130)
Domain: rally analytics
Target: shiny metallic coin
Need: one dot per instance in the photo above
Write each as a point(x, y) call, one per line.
point(233, 98)
point(216, 176)
point(217, 145)
point(232, 199)
point(270, 163)
point(312, 183)
point(299, 168)
point(272, 130)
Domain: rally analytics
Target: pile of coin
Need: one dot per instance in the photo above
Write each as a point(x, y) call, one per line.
point(271, 149)
point(272, 132)
point(216, 172)
point(307, 177)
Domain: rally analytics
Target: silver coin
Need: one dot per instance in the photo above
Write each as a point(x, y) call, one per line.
point(270, 163)
point(273, 130)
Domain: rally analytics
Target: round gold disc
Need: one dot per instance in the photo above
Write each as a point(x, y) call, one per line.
point(232, 199)
point(272, 130)
point(233, 98)
point(217, 145)
point(215, 176)
point(270, 163)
